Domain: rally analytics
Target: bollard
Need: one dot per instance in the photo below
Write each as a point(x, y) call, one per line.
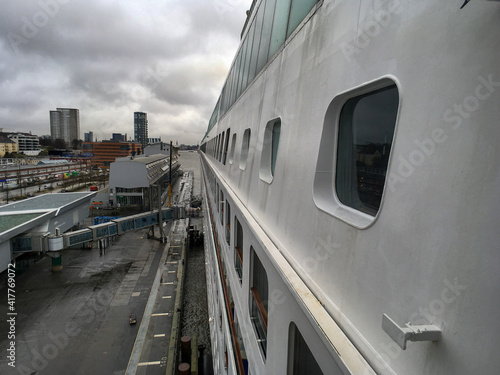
point(184, 369)
point(186, 349)
point(57, 262)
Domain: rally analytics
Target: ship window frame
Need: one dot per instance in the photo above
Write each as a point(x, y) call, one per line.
point(259, 301)
point(324, 187)
point(221, 146)
point(245, 148)
point(221, 204)
point(217, 196)
point(300, 356)
point(270, 149)
point(238, 249)
point(226, 144)
point(228, 223)
point(217, 146)
point(231, 152)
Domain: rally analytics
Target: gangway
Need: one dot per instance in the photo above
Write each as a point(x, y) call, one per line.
point(119, 226)
point(44, 242)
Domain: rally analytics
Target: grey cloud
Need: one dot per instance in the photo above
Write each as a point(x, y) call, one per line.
point(111, 58)
point(192, 83)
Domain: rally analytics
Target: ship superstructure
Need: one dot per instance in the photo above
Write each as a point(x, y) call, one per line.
point(352, 188)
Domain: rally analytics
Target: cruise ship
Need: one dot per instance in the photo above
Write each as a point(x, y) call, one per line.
point(351, 190)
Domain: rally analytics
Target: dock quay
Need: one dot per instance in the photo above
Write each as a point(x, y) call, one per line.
point(160, 326)
point(77, 320)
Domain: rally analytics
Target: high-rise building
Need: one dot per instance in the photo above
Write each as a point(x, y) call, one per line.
point(65, 124)
point(88, 137)
point(141, 128)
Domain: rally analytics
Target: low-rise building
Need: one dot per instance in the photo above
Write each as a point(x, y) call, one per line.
point(7, 145)
point(27, 144)
point(160, 148)
point(106, 152)
point(154, 140)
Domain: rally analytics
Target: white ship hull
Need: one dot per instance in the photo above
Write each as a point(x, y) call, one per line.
point(426, 253)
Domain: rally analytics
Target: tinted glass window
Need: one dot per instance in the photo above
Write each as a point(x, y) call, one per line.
point(274, 146)
point(244, 149)
point(279, 25)
point(233, 145)
point(366, 129)
point(300, 358)
point(299, 10)
point(266, 33)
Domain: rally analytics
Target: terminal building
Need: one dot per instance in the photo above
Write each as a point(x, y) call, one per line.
point(139, 181)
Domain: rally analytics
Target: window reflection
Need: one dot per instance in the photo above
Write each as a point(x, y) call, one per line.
point(366, 129)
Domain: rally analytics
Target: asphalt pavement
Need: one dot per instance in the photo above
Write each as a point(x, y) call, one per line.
point(76, 321)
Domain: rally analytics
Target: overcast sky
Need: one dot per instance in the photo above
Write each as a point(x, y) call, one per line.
point(110, 58)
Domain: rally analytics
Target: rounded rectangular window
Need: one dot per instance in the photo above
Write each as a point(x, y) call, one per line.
point(231, 153)
point(221, 146)
point(224, 154)
point(300, 358)
point(245, 146)
point(350, 176)
point(270, 150)
point(259, 299)
point(366, 129)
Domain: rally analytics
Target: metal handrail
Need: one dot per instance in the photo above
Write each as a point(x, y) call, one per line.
point(260, 305)
point(239, 360)
point(239, 253)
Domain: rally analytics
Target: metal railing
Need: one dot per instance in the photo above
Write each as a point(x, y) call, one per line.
point(238, 262)
point(239, 360)
point(259, 318)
